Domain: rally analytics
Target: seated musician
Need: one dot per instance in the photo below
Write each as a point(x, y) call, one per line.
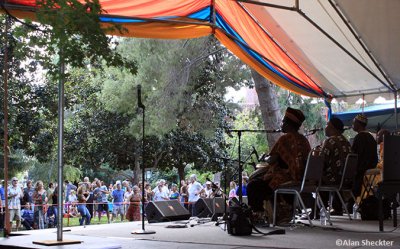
point(286, 163)
point(335, 150)
point(373, 176)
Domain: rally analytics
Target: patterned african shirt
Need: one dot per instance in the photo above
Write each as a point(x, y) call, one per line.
point(335, 150)
point(292, 150)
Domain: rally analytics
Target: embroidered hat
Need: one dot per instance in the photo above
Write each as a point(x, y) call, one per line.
point(337, 123)
point(295, 115)
point(361, 118)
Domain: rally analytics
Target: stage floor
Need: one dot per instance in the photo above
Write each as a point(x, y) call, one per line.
point(343, 233)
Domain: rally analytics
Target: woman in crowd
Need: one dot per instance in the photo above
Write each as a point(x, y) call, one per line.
point(83, 195)
point(39, 199)
point(232, 192)
point(184, 194)
point(133, 213)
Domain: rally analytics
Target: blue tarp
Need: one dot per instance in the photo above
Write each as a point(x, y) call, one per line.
point(382, 115)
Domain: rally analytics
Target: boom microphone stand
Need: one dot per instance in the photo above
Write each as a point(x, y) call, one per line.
point(140, 105)
point(239, 134)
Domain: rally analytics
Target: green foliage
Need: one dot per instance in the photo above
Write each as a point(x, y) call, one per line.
point(31, 102)
point(74, 26)
point(95, 136)
point(247, 119)
point(183, 84)
point(18, 162)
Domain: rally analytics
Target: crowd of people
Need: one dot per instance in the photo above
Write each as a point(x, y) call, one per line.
point(35, 206)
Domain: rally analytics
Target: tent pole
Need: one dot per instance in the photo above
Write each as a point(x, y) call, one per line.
point(60, 147)
point(7, 225)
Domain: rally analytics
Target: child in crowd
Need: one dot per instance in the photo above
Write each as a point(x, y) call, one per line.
point(27, 216)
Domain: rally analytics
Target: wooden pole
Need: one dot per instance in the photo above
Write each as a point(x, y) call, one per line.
point(7, 225)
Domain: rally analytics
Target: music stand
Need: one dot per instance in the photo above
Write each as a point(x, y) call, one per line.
point(140, 105)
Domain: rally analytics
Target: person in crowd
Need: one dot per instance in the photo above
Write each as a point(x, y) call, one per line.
point(118, 196)
point(28, 194)
point(194, 191)
point(27, 216)
point(72, 203)
point(15, 194)
point(286, 162)
point(207, 190)
point(160, 193)
point(86, 181)
point(125, 185)
point(133, 213)
point(245, 181)
point(2, 205)
point(364, 145)
point(40, 200)
point(83, 196)
point(127, 197)
point(232, 192)
point(68, 186)
point(148, 192)
point(51, 207)
point(174, 194)
point(90, 201)
point(184, 194)
point(100, 195)
point(334, 150)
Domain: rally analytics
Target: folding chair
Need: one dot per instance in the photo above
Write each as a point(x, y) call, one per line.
point(310, 183)
point(348, 173)
point(390, 185)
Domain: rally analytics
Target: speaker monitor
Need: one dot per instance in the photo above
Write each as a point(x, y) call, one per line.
point(207, 207)
point(162, 211)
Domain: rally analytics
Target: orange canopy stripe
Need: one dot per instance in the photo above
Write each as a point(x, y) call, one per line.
point(259, 41)
point(164, 30)
point(246, 58)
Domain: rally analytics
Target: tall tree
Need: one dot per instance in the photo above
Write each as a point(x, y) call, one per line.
point(269, 106)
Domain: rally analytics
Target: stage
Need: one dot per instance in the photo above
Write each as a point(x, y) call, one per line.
point(343, 233)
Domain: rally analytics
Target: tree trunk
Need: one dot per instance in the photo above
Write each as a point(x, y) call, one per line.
point(181, 172)
point(137, 173)
point(269, 106)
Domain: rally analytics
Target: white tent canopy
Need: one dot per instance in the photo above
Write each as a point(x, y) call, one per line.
point(349, 48)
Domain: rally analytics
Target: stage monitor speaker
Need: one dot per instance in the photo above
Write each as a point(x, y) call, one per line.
point(162, 211)
point(207, 207)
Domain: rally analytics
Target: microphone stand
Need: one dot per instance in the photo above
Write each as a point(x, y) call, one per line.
point(140, 105)
point(239, 134)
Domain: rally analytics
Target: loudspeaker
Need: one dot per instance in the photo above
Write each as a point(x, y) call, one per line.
point(161, 211)
point(207, 207)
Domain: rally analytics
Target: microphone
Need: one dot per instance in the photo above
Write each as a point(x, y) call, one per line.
point(313, 131)
point(139, 96)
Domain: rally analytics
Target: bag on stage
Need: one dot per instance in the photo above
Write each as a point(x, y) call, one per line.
point(239, 222)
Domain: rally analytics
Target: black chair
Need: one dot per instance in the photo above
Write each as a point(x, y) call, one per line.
point(348, 173)
point(390, 185)
point(310, 183)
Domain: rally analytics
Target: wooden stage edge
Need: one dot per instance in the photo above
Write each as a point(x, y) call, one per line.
point(56, 242)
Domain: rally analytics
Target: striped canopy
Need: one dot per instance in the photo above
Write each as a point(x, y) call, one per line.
point(324, 48)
